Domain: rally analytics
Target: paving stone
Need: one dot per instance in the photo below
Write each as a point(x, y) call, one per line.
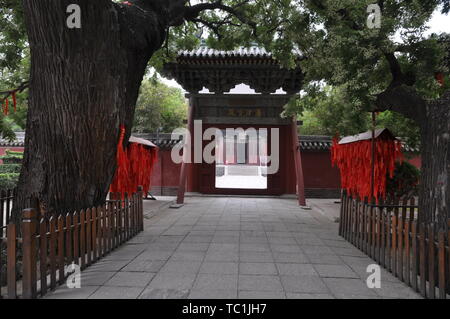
point(172, 281)
point(385, 275)
point(317, 250)
point(225, 240)
point(285, 248)
point(279, 234)
point(188, 256)
point(255, 256)
point(130, 279)
point(219, 268)
point(293, 295)
point(336, 243)
point(222, 256)
point(325, 259)
point(396, 290)
point(335, 271)
point(197, 239)
point(260, 283)
point(349, 287)
point(212, 282)
point(222, 247)
point(155, 255)
point(232, 247)
point(363, 261)
point(348, 251)
point(299, 258)
point(304, 284)
point(356, 296)
point(161, 293)
point(63, 292)
point(166, 239)
point(112, 265)
point(261, 247)
point(258, 269)
point(95, 278)
point(192, 247)
point(114, 293)
point(213, 294)
point(152, 266)
point(296, 269)
point(261, 294)
point(282, 240)
point(181, 267)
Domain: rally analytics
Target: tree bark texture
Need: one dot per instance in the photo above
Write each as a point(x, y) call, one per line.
point(84, 84)
point(433, 118)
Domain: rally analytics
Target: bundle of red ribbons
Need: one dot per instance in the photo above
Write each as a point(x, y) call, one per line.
point(5, 106)
point(134, 167)
point(354, 161)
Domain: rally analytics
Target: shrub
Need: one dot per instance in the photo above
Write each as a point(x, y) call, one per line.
point(12, 157)
point(8, 180)
point(10, 168)
point(405, 182)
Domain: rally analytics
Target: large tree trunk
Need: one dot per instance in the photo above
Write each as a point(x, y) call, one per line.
point(84, 84)
point(434, 198)
point(434, 120)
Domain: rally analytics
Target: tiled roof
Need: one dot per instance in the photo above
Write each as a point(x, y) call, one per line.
point(205, 52)
point(164, 141)
point(315, 142)
point(18, 142)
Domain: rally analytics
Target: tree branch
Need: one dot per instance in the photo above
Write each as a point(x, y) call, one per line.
point(192, 12)
point(405, 100)
point(23, 86)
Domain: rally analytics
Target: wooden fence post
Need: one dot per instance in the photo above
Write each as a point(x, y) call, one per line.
point(11, 262)
point(141, 208)
point(29, 253)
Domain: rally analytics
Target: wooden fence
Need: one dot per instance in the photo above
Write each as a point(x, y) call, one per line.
point(390, 234)
point(6, 201)
point(38, 261)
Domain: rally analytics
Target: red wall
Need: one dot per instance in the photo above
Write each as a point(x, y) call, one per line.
point(318, 171)
point(166, 172)
point(415, 160)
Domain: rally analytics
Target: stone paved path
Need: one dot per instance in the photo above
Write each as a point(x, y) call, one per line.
point(235, 248)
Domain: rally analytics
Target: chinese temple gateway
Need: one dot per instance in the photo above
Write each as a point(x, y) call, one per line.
point(218, 72)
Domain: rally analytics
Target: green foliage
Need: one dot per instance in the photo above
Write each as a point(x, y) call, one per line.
point(400, 126)
point(14, 64)
point(159, 107)
point(12, 157)
point(8, 180)
point(405, 182)
point(12, 34)
point(10, 168)
point(331, 111)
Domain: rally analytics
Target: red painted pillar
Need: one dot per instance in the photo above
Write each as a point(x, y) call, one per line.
point(186, 162)
point(298, 164)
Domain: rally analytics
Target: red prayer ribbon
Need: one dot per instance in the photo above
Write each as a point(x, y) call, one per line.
point(134, 167)
point(354, 161)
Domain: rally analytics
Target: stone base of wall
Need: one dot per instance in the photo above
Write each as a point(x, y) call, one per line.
point(322, 193)
point(309, 192)
point(164, 191)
